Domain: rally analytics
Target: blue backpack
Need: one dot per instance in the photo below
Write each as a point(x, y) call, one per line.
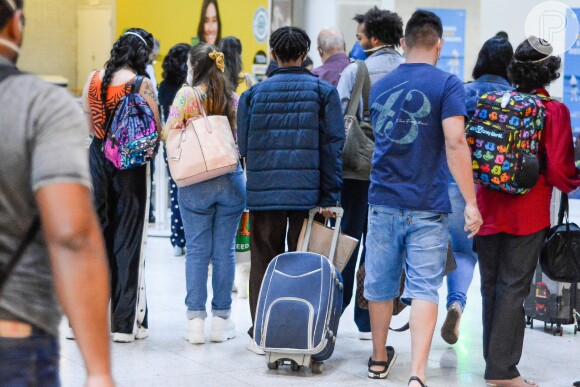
point(131, 137)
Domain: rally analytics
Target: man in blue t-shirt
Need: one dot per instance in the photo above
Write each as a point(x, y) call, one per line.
point(418, 121)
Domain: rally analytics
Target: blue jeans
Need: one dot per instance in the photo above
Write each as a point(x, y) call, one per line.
point(458, 281)
point(30, 361)
point(416, 239)
point(211, 212)
point(355, 198)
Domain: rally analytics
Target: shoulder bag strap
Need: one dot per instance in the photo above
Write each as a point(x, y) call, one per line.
point(357, 90)
point(9, 268)
point(366, 90)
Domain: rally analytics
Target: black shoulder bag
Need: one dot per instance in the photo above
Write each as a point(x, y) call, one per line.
point(6, 270)
point(560, 255)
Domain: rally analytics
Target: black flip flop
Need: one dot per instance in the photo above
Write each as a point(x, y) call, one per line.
point(416, 379)
point(392, 356)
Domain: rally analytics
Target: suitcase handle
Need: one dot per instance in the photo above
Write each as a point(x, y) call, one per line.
point(339, 213)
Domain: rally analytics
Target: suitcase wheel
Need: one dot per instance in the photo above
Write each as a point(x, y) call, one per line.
point(273, 365)
point(294, 366)
point(317, 367)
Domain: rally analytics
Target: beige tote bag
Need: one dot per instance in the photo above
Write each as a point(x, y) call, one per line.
point(321, 241)
point(204, 149)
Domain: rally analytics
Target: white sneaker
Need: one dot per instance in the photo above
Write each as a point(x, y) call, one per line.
point(365, 336)
point(142, 333)
point(195, 331)
point(178, 251)
point(253, 347)
point(222, 329)
point(123, 337)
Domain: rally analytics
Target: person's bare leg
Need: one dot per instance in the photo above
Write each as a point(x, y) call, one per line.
point(380, 313)
point(422, 323)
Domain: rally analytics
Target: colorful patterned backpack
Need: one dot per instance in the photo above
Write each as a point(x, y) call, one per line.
point(504, 136)
point(131, 137)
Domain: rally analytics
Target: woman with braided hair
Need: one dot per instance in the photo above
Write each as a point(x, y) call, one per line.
point(210, 210)
point(121, 197)
point(294, 158)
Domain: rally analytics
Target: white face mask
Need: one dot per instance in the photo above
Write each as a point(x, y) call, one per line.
point(10, 45)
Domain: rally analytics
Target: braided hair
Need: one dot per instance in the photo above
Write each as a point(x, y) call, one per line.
point(232, 49)
point(289, 43)
point(128, 50)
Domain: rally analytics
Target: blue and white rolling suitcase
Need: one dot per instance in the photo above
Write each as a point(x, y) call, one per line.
point(299, 306)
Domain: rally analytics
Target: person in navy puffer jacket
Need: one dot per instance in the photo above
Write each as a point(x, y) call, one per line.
point(290, 131)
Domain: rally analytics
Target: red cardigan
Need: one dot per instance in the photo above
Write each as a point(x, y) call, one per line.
point(530, 213)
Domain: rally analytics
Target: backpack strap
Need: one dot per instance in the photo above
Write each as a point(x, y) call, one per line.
point(362, 86)
point(135, 86)
point(29, 237)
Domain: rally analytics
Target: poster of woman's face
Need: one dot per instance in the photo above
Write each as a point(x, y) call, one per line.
point(209, 29)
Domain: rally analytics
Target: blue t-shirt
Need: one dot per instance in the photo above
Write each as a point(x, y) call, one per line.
point(409, 163)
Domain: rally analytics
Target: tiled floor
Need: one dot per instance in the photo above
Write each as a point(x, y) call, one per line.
point(166, 359)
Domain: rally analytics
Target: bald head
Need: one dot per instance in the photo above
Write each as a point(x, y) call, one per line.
point(330, 42)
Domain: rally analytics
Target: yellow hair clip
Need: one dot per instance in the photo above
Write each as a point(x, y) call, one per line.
point(218, 57)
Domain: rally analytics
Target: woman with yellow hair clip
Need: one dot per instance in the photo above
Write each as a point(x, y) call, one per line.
point(210, 209)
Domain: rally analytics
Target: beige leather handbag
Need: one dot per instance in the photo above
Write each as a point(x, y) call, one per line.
point(204, 149)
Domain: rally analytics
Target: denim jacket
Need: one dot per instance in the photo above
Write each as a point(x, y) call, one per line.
point(484, 84)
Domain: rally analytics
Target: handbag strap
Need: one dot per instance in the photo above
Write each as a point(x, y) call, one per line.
point(28, 238)
point(564, 209)
point(197, 95)
point(362, 86)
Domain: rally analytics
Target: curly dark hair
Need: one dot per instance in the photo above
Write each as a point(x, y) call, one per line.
point(175, 64)
point(359, 18)
point(386, 26)
point(205, 72)
point(289, 43)
point(232, 49)
point(494, 58)
point(128, 50)
point(423, 29)
point(6, 11)
point(530, 68)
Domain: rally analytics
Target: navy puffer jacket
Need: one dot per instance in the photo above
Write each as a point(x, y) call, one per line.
point(290, 130)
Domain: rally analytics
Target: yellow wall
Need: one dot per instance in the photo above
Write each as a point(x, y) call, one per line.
point(176, 21)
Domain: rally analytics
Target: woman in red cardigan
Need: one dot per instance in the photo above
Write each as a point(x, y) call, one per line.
point(514, 226)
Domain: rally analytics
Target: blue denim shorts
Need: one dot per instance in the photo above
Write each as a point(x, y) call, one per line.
point(416, 239)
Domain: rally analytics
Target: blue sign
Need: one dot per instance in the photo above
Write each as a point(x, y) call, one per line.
point(452, 57)
point(571, 98)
